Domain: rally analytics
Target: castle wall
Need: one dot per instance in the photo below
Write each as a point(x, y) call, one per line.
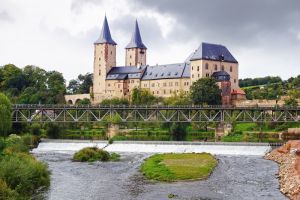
point(166, 87)
point(205, 68)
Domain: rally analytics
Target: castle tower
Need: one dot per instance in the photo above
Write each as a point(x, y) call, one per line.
point(104, 60)
point(135, 50)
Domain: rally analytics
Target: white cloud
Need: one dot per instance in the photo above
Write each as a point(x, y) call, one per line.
point(59, 35)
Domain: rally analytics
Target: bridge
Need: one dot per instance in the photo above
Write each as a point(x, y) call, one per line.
point(28, 113)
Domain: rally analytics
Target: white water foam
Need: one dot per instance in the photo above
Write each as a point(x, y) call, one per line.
point(213, 149)
point(67, 147)
point(71, 147)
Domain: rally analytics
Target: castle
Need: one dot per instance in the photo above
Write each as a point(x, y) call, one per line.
point(110, 80)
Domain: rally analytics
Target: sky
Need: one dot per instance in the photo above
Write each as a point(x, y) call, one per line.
point(263, 35)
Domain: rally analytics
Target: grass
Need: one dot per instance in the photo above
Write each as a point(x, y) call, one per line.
point(175, 167)
point(91, 154)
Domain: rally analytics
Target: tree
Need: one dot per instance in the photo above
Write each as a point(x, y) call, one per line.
point(180, 98)
point(291, 102)
point(81, 85)
point(205, 91)
point(114, 101)
point(5, 115)
point(142, 97)
point(178, 131)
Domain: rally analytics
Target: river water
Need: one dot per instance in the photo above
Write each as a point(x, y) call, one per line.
point(235, 178)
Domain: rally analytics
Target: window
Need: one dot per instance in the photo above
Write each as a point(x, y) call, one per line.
point(222, 67)
point(198, 68)
point(145, 85)
point(198, 75)
point(176, 83)
point(158, 84)
point(192, 68)
point(110, 52)
point(164, 91)
point(234, 80)
point(152, 85)
point(170, 84)
point(230, 68)
point(165, 84)
point(192, 75)
point(99, 72)
point(119, 86)
point(157, 92)
point(99, 58)
point(130, 64)
point(207, 75)
point(153, 92)
point(216, 67)
point(132, 81)
point(206, 65)
point(108, 85)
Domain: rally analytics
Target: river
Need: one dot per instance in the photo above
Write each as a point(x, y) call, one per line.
point(236, 177)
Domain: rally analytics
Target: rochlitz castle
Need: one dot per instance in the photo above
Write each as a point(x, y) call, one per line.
point(110, 80)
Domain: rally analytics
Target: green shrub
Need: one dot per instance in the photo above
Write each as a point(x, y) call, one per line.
point(31, 141)
point(23, 173)
point(35, 129)
point(14, 144)
point(6, 192)
point(114, 157)
point(53, 131)
point(90, 154)
point(110, 141)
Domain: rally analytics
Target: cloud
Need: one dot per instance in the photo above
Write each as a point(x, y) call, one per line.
point(264, 35)
point(4, 16)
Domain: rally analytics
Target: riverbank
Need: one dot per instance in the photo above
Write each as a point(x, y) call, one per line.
point(288, 158)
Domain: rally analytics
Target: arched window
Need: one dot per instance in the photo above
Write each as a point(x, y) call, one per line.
point(230, 68)
point(206, 65)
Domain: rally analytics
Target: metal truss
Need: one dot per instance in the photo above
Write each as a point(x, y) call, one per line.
point(88, 113)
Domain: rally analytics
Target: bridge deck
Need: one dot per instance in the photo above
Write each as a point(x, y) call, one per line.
point(121, 113)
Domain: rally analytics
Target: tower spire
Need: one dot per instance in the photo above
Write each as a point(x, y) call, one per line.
point(105, 36)
point(136, 40)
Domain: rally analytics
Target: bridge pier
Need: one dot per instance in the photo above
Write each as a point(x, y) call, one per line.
point(222, 130)
point(113, 130)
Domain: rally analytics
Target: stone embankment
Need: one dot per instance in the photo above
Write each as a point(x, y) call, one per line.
point(288, 158)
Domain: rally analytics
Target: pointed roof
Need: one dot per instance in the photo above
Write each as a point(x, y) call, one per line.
point(136, 40)
point(216, 52)
point(105, 36)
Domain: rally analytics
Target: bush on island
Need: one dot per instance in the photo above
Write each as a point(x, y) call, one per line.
point(91, 154)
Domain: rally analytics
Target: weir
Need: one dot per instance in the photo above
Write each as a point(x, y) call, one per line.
point(70, 146)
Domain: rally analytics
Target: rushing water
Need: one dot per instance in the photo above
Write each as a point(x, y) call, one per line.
point(235, 178)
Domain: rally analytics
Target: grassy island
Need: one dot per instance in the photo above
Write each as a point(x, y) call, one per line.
point(91, 154)
point(175, 167)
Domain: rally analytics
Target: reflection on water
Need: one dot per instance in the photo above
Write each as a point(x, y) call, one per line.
point(235, 178)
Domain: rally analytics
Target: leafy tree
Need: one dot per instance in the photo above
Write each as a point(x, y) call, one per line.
point(84, 101)
point(81, 85)
point(205, 91)
point(114, 101)
point(142, 97)
point(291, 102)
point(5, 115)
point(178, 131)
point(178, 99)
